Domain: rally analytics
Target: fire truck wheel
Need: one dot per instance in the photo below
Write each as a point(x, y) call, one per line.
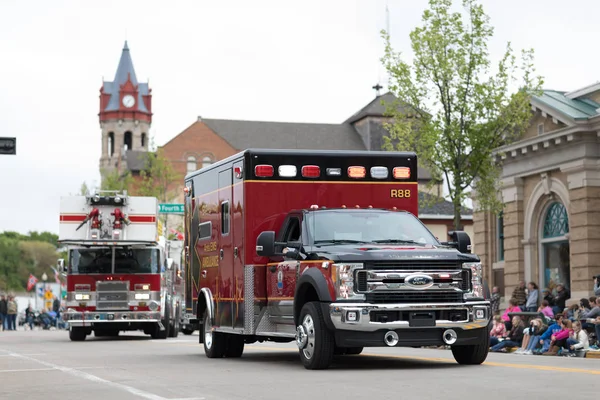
point(77, 334)
point(472, 354)
point(214, 342)
point(235, 346)
point(315, 342)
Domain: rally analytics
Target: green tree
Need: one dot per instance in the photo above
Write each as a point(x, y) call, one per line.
point(114, 180)
point(84, 190)
point(461, 110)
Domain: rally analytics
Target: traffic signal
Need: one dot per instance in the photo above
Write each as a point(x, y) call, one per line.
point(8, 145)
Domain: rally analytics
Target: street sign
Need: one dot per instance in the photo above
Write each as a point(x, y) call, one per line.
point(176, 208)
point(8, 145)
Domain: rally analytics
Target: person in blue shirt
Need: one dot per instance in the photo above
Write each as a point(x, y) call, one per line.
point(552, 329)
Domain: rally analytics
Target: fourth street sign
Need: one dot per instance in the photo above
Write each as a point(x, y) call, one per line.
point(170, 208)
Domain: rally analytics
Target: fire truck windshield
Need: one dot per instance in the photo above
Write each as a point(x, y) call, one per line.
point(127, 261)
point(367, 226)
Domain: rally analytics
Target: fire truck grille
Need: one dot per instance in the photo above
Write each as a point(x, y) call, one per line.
point(112, 295)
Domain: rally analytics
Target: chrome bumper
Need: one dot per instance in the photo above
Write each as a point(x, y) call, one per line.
point(75, 318)
point(357, 316)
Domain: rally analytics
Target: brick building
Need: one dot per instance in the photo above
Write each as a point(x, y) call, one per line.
point(549, 230)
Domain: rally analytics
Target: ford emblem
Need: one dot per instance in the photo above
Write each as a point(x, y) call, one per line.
point(419, 281)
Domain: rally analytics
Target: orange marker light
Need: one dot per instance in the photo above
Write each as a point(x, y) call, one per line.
point(401, 172)
point(357, 172)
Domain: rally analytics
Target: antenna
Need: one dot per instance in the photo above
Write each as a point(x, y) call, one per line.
point(387, 18)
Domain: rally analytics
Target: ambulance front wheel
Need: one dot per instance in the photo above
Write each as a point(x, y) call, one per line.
point(215, 343)
point(315, 342)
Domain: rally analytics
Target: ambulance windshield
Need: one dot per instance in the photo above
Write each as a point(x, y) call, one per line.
point(127, 261)
point(367, 226)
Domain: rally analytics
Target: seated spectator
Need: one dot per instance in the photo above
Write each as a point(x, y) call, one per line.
point(498, 331)
point(532, 336)
point(558, 341)
point(578, 340)
point(514, 337)
point(546, 309)
point(512, 308)
point(591, 314)
point(545, 338)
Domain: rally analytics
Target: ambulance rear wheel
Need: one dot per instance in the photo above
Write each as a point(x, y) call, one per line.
point(215, 343)
point(315, 342)
point(77, 334)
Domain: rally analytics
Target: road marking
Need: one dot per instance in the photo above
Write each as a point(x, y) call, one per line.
point(32, 354)
point(42, 369)
point(97, 379)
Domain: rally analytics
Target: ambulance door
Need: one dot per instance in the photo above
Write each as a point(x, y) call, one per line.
point(237, 227)
point(226, 283)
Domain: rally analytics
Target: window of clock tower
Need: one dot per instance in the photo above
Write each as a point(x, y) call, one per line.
point(111, 143)
point(143, 140)
point(128, 145)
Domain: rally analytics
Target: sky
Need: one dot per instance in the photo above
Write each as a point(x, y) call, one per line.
point(297, 61)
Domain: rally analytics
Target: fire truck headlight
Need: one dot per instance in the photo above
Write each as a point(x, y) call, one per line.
point(142, 296)
point(82, 296)
point(342, 276)
point(476, 291)
point(153, 306)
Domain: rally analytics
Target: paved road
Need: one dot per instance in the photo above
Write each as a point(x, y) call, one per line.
point(46, 365)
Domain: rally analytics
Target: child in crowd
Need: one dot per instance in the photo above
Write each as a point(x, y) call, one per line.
point(514, 337)
point(545, 339)
point(558, 341)
point(532, 336)
point(578, 340)
point(512, 308)
point(498, 331)
point(546, 309)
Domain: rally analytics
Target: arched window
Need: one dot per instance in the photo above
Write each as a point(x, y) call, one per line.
point(143, 140)
point(111, 144)
point(191, 164)
point(556, 266)
point(127, 141)
point(206, 161)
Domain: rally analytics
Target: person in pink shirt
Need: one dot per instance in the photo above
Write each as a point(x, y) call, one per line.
point(513, 307)
point(559, 339)
point(546, 309)
point(498, 331)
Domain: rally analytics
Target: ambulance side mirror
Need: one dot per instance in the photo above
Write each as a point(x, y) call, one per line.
point(460, 240)
point(265, 244)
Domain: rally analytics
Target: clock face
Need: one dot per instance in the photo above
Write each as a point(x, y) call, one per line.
point(128, 101)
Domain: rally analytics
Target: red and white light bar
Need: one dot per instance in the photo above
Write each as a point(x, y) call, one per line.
point(314, 171)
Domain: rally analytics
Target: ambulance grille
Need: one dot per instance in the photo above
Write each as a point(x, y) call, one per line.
point(112, 295)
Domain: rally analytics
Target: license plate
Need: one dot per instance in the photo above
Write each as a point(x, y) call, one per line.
point(421, 319)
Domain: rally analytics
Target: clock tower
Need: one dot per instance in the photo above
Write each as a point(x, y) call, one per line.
point(125, 119)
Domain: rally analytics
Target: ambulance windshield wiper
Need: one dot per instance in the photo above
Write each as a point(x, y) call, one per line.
point(395, 241)
point(336, 241)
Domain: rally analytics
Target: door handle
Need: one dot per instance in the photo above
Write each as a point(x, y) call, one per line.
point(221, 254)
point(203, 273)
point(235, 252)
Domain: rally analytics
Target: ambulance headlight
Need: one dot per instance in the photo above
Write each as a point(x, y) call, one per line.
point(142, 296)
point(476, 291)
point(82, 296)
point(342, 276)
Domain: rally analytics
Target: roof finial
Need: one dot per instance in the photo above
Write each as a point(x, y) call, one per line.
point(125, 47)
point(377, 88)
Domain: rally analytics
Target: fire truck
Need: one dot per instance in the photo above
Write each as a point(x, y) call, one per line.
point(325, 249)
point(120, 273)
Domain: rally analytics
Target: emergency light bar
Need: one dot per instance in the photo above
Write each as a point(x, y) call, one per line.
point(314, 171)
